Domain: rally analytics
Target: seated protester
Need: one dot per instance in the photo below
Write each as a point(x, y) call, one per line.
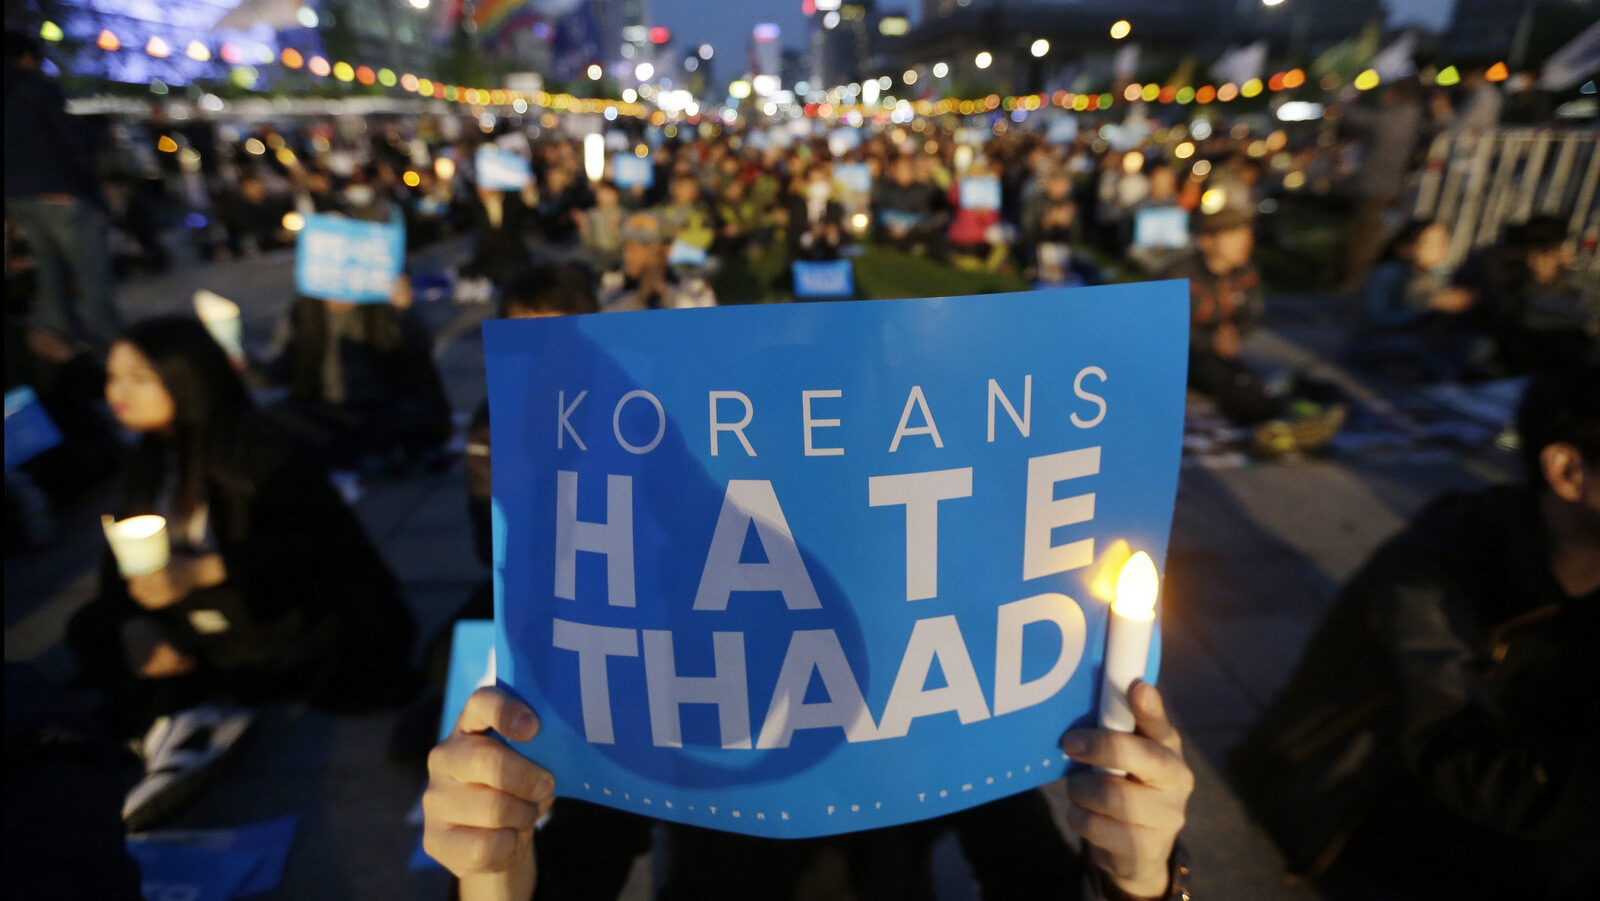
point(1529, 299)
point(1050, 228)
point(976, 238)
point(738, 220)
point(600, 226)
point(1163, 195)
point(685, 217)
point(253, 219)
point(483, 829)
point(548, 289)
point(1225, 302)
point(645, 281)
point(561, 199)
point(1441, 735)
point(815, 226)
point(312, 190)
point(363, 388)
point(908, 209)
point(1412, 313)
point(499, 219)
point(272, 590)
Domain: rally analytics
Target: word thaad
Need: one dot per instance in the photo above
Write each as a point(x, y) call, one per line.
point(753, 503)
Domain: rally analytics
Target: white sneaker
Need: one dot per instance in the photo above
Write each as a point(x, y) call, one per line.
point(181, 753)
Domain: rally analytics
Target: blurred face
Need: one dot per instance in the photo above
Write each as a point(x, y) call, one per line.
point(1226, 251)
point(902, 172)
point(253, 190)
point(606, 197)
point(1057, 188)
point(1433, 247)
point(516, 312)
point(134, 391)
point(639, 258)
point(1545, 265)
point(684, 191)
point(1163, 182)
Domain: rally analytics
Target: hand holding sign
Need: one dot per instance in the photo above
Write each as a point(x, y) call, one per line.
point(484, 799)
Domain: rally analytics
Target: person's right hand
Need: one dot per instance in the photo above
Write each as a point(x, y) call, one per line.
point(484, 799)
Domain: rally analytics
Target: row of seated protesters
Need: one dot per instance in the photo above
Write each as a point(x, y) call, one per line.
point(1506, 310)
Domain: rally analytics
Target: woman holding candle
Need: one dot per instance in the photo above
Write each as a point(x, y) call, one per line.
point(271, 588)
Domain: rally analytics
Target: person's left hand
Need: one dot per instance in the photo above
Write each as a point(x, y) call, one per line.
point(174, 582)
point(1130, 823)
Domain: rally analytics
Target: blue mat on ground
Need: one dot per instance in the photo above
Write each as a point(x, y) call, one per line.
point(214, 864)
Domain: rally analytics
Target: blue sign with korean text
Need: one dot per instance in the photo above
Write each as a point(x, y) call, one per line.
point(350, 260)
point(835, 279)
point(630, 171)
point(797, 570)
point(29, 429)
point(499, 169)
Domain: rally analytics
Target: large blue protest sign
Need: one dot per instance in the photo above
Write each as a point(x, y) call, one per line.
point(834, 280)
point(29, 429)
point(804, 569)
point(351, 260)
point(499, 169)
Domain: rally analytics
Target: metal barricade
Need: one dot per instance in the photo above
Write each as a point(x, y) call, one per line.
point(1477, 184)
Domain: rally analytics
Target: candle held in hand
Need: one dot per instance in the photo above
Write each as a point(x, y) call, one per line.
point(139, 543)
point(1133, 616)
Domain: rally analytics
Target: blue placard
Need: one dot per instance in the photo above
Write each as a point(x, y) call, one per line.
point(29, 429)
point(1062, 129)
point(734, 547)
point(1166, 226)
point(830, 280)
point(902, 221)
point(682, 253)
point(630, 171)
point(351, 260)
point(853, 177)
point(501, 170)
point(980, 192)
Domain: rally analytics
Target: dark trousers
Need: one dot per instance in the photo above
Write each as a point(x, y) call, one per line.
point(1239, 394)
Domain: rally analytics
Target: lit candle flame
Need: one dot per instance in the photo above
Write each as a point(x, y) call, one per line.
point(1137, 587)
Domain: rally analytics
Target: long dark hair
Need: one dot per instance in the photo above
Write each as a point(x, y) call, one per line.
point(209, 402)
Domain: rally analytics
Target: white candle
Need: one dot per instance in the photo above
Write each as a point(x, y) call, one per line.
point(1133, 616)
point(221, 318)
point(139, 543)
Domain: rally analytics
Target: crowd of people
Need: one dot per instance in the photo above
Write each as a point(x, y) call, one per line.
point(273, 589)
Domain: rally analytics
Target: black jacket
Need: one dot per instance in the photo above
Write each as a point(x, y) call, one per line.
point(308, 597)
point(1446, 715)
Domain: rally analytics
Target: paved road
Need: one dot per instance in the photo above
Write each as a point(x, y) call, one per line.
point(1257, 553)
